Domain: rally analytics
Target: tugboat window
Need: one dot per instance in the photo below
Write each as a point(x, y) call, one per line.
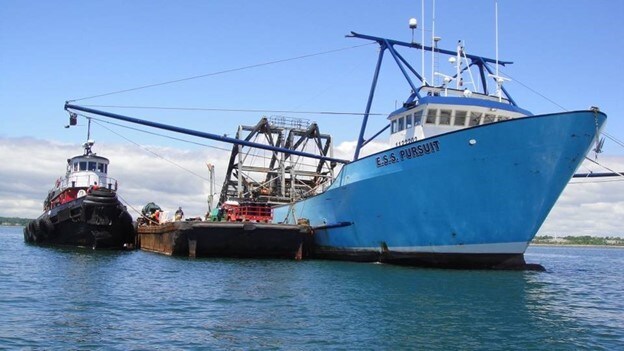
point(393, 126)
point(445, 117)
point(83, 166)
point(100, 167)
point(92, 166)
point(460, 118)
point(431, 116)
point(408, 121)
point(75, 166)
point(401, 124)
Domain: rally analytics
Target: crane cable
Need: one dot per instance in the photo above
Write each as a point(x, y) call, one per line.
point(236, 110)
point(152, 152)
point(221, 72)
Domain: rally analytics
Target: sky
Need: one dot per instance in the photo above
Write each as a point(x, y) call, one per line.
point(269, 56)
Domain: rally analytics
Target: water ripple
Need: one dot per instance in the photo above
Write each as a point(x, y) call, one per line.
point(84, 300)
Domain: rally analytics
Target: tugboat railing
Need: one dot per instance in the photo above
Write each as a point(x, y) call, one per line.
point(87, 179)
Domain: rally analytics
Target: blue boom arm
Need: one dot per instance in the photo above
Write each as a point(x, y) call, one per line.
point(196, 133)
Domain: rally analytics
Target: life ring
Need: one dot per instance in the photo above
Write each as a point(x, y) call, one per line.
point(81, 193)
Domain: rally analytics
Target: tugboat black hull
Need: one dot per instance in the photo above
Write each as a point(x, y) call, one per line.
point(97, 220)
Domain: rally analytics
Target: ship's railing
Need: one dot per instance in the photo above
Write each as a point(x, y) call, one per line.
point(86, 180)
point(441, 91)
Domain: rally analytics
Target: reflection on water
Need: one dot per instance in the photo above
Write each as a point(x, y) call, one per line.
point(138, 300)
point(581, 296)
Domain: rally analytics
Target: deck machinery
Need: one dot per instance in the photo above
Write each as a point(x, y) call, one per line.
point(277, 177)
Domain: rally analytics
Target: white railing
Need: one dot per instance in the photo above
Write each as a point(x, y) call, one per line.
point(440, 91)
point(85, 179)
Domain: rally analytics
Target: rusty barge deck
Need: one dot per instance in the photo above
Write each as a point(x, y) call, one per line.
point(227, 239)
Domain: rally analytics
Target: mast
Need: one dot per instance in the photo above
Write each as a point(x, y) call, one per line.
point(89, 143)
point(422, 40)
point(499, 80)
point(89, 129)
point(458, 79)
point(496, 31)
point(433, 45)
point(498, 85)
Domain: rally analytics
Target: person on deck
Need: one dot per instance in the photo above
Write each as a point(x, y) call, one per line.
point(156, 216)
point(93, 187)
point(179, 214)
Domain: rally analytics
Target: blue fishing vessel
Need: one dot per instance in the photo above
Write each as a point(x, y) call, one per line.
point(466, 182)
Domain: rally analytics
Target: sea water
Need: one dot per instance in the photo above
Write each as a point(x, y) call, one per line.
point(59, 298)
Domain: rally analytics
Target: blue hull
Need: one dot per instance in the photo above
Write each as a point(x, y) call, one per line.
point(470, 198)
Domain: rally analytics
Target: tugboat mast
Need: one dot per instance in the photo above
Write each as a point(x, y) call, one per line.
point(89, 143)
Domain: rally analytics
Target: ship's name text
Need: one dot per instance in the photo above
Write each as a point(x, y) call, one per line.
point(408, 153)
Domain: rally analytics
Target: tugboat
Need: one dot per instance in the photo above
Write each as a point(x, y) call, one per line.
point(83, 209)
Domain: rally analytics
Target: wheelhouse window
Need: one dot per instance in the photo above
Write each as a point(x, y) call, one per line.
point(75, 166)
point(418, 117)
point(489, 118)
point(100, 167)
point(92, 165)
point(401, 124)
point(431, 116)
point(460, 118)
point(83, 165)
point(408, 121)
point(475, 119)
point(445, 117)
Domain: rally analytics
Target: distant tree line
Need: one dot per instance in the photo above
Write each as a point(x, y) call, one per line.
point(579, 240)
point(16, 221)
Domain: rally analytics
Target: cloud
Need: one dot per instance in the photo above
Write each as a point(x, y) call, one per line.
point(29, 167)
point(590, 206)
point(346, 149)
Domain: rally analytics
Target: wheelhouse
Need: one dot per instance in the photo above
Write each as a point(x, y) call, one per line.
point(83, 173)
point(87, 170)
point(444, 110)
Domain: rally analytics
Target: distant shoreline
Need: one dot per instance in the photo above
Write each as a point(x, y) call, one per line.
point(578, 245)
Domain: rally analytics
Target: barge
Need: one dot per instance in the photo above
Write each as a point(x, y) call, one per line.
point(226, 239)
